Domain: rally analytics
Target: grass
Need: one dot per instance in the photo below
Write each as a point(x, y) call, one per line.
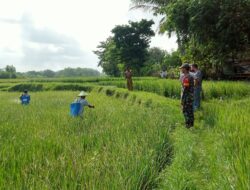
point(43, 148)
point(215, 155)
point(131, 140)
point(171, 88)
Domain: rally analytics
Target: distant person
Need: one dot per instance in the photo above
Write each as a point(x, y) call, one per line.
point(187, 95)
point(128, 76)
point(25, 98)
point(77, 107)
point(197, 85)
point(163, 74)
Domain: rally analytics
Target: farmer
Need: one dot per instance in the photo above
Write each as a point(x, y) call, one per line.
point(197, 85)
point(187, 95)
point(82, 102)
point(128, 76)
point(25, 98)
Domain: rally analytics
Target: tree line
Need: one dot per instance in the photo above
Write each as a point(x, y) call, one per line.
point(209, 33)
point(10, 72)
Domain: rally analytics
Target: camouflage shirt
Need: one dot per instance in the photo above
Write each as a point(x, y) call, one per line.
point(187, 92)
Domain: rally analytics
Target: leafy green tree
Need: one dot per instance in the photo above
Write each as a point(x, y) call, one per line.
point(10, 72)
point(48, 73)
point(126, 48)
point(172, 60)
point(108, 56)
point(10, 69)
point(77, 72)
point(208, 32)
point(154, 61)
point(132, 42)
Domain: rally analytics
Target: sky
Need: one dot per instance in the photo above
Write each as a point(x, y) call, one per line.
point(55, 34)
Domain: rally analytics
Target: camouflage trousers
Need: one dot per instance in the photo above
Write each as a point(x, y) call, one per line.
point(188, 113)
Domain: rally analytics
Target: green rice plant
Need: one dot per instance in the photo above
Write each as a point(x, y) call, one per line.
point(117, 145)
point(218, 145)
point(172, 88)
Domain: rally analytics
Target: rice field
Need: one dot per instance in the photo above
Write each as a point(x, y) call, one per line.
point(131, 140)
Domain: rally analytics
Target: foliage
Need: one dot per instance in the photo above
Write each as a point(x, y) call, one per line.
point(8, 73)
point(132, 42)
point(154, 62)
point(172, 60)
point(67, 72)
point(127, 47)
point(172, 88)
point(108, 57)
point(131, 140)
point(77, 72)
point(46, 149)
point(208, 32)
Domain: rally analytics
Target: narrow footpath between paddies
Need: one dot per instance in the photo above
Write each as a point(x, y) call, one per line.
point(212, 155)
point(215, 154)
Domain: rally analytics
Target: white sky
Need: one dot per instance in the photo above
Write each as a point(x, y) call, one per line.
point(54, 34)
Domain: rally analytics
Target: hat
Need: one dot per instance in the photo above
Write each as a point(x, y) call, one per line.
point(185, 65)
point(25, 91)
point(82, 93)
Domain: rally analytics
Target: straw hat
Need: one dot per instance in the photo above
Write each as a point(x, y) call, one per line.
point(82, 93)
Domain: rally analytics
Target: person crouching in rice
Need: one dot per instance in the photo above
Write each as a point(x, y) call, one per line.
point(25, 98)
point(78, 105)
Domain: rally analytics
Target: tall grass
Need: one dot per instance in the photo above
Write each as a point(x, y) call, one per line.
point(216, 154)
point(172, 88)
point(120, 144)
point(131, 140)
point(168, 88)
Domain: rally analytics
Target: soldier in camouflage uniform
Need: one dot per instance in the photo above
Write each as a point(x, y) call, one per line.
point(187, 95)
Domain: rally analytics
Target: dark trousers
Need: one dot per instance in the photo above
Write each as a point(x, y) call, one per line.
point(188, 113)
point(129, 84)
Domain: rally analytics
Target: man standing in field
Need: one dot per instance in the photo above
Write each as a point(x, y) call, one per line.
point(187, 95)
point(77, 107)
point(128, 76)
point(197, 85)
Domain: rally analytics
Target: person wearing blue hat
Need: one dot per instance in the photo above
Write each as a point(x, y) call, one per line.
point(25, 98)
point(77, 107)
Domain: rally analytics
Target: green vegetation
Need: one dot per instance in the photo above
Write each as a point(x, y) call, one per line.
point(42, 147)
point(67, 72)
point(216, 154)
point(171, 88)
point(126, 48)
point(9, 72)
point(131, 140)
point(208, 32)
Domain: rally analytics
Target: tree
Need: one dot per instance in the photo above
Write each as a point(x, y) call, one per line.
point(10, 72)
point(10, 69)
point(132, 42)
point(108, 57)
point(126, 48)
point(77, 72)
point(172, 60)
point(154, 61)
point(208, 31)
point(48, 73)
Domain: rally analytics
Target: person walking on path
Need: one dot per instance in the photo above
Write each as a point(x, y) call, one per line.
point(187, 95)
point(128, 76)
point(197, 86)
point(25, 98)
point(77, 107)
